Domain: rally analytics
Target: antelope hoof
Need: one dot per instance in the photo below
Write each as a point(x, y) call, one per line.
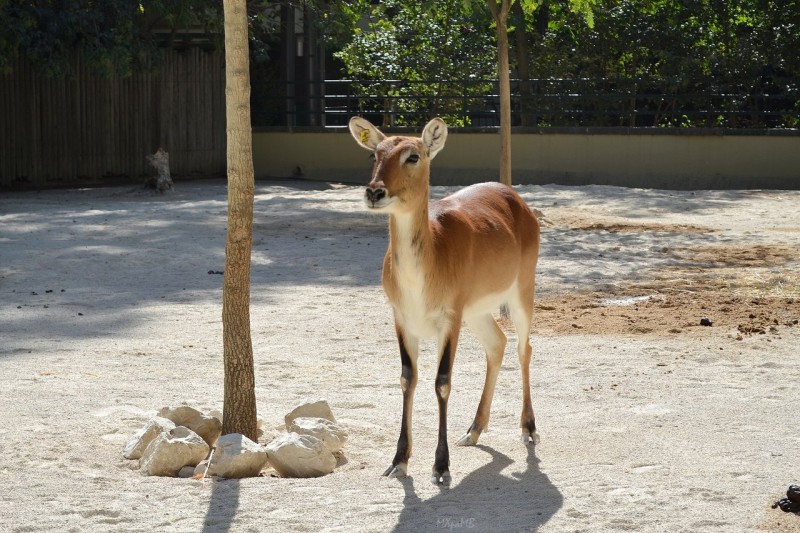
point(441, 478)
point(398, 470)
point(467, 440)
point(530, 438)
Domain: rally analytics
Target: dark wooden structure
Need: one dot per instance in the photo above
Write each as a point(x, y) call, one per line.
point(93, 129)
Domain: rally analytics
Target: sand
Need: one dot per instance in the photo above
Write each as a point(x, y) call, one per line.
point(649, 421)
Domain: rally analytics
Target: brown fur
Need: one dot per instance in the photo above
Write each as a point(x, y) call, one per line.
point(455, 259)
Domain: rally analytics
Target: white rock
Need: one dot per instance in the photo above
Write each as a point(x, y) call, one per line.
point(181, 415)
point(172, 450)
point(236, 456)
point(294, 455)
point(316, 409)
point(140, 440)
point(208, 427)
point(330, 433)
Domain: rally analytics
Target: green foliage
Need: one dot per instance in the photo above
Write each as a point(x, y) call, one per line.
point(690, 49)
point(584, 9)
point(676, 63)
point(113, 36)
point(715, 62)
point(400, 46)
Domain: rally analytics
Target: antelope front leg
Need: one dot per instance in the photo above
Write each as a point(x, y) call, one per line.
point(409, 349)
point(441, 465)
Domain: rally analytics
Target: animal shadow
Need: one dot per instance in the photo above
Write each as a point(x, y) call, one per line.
point(485, 500)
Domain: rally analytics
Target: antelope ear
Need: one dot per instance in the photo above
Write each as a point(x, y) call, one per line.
point(366, 135)
point(434, 135)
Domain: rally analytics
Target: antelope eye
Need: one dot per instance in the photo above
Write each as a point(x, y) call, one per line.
point(413, 158)
point(372, 156)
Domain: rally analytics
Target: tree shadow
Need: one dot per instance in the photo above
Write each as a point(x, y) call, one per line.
point(223, 505)
point(485, 500)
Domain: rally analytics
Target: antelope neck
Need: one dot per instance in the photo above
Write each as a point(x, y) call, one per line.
point(409, 232)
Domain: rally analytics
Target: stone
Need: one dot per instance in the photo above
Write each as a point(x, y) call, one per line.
point(332, 435)
point(180, 415)
point(172, 450)
point(293, 455)
point(235, 457)
point(201, 469)
point(186, 472)
point(316, 409)
point(142, 438)
point(208, 427)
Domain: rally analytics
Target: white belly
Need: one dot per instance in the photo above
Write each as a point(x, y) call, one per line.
point(489, 303)
point(415, 316)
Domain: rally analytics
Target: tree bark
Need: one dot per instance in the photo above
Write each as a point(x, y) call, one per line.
point(239, 410)
point(523, 63)
point(500, 14)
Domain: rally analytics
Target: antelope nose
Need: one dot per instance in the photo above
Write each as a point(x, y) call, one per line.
point(375, 195)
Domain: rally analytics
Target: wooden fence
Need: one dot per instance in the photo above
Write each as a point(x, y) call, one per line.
point(87, 128)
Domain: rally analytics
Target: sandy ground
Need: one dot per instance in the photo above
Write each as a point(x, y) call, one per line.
point(649, 421)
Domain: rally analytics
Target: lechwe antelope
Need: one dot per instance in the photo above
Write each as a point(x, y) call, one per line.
point(459, 259)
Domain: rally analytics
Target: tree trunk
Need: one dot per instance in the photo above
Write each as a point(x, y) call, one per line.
point(239, 411)
point(523, 64)
point(500, 14)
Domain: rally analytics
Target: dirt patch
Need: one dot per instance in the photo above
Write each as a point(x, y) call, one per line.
point(664, 313)
point(746, 290)
point(734, 256)
point(582, 223)
point(741, 290)
point(779, 522)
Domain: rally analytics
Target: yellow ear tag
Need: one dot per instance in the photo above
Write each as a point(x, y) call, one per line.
point(364, 136)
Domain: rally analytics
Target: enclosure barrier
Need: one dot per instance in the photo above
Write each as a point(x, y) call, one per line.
point(636, 132)
point(646, 158)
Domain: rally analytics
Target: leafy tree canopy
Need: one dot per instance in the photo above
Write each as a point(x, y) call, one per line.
point(436, 40)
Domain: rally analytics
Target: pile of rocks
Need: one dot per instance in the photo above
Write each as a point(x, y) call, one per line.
point(184, 442)
point(312, 444)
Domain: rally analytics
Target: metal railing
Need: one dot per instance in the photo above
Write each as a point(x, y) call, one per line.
point(474, 103)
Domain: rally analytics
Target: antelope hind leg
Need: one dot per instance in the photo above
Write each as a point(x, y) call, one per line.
point(522, 313)
point(493, 339)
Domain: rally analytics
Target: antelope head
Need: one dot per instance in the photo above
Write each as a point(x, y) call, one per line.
point(401, 168)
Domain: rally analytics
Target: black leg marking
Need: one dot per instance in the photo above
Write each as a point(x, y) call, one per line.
point(408, 382)
point(441, 465)
point(530, 425)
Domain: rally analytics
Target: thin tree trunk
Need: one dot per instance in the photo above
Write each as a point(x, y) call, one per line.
point(523, 64)
point(239, 411)
point(500, 14)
